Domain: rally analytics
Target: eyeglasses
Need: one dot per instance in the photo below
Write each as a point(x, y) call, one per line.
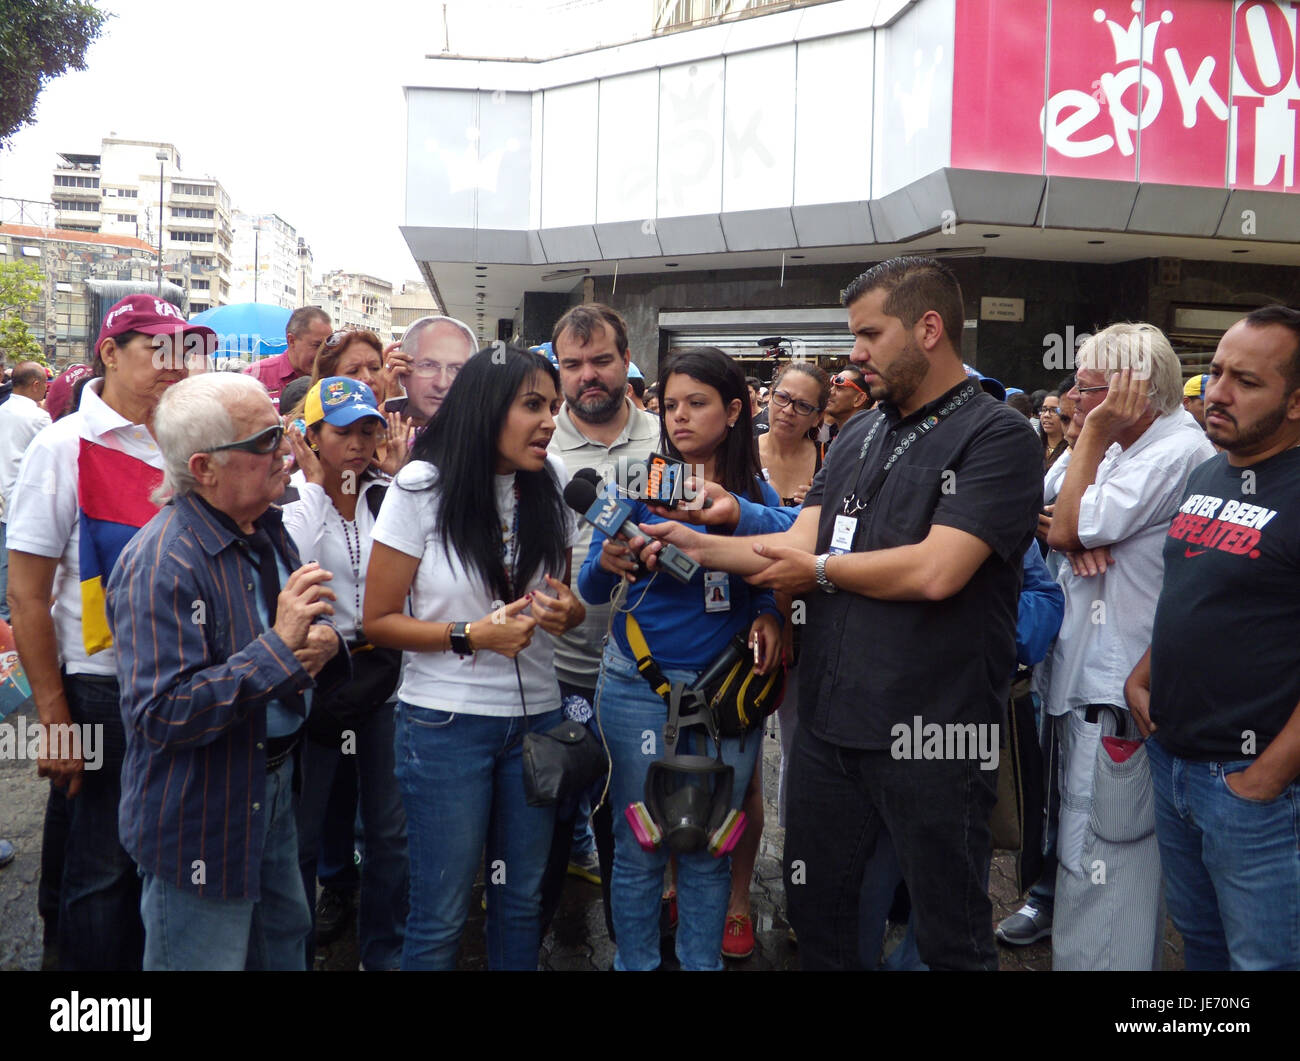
point(784, 401)
point(842, 380)
point(430, 369)
point(1088, 390)
point(1048, 410)
point(262, 443)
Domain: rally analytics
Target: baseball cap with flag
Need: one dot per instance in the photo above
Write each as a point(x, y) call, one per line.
point(1195, 387)
point(150, 315)
point(340, 401)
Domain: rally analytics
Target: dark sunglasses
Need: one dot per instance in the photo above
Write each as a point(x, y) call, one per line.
point(843, 380)
point(264, 442)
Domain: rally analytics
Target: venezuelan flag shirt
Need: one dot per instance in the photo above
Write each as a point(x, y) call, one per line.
point(82, 492)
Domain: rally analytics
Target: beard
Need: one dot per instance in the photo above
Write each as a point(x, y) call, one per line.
point(903, 376)
point(597, 410)
point(1249, 437)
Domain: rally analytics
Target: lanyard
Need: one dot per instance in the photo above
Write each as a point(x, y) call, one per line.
point(856, 501)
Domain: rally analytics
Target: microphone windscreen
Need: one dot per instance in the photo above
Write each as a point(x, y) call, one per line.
point(590, 474)
point(580, 494)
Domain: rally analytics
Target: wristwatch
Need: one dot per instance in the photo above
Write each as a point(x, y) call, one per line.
point(823, 583)
point(460, 643)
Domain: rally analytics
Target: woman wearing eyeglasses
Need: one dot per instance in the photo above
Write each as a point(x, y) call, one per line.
point(339, 493)
point(788, 455)
point(475, 532)
point(707, 424)
point(1049, 418)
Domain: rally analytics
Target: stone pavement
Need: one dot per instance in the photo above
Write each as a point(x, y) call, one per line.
point(577, 941)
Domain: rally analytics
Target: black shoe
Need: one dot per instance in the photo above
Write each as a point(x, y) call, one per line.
point(334, 911)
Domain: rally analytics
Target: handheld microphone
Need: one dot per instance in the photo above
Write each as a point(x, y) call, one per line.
point(610, 516)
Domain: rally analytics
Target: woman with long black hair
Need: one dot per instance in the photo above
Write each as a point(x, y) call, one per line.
point(706, 423)
point(476, 532)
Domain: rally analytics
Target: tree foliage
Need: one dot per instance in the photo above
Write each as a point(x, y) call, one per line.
point(20, 287)
point(39, 40)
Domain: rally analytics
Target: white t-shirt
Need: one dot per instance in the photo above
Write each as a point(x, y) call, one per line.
point(443, 591)
point(43, 512)
point(20, 420)
point(320, 532)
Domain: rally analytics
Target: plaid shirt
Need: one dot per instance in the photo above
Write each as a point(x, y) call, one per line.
point(197, 668)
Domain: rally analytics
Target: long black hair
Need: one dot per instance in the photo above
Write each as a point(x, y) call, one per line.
point(737, 454)
point(461, 441)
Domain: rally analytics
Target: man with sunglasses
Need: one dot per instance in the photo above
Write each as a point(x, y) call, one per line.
point(222, 637)
point(83, 487)
point(308, 327)
point(848, 397)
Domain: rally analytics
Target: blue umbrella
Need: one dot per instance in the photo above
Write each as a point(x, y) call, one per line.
point(247, 330)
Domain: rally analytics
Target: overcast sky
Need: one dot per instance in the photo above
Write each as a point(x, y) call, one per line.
point(297, 109)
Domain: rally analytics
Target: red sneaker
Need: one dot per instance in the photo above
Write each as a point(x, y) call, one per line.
point(738, 937)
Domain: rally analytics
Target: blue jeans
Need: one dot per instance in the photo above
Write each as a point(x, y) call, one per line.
point(633, 717)
point(385, 873)
point(184, 930)
point(462, 783)
point(1231, 865)
point(99, 897)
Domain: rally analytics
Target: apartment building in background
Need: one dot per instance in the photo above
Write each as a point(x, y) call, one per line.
point(355, 300)
point(269, 261)
point(414, 301)
point(63, 322)
point(138, 188)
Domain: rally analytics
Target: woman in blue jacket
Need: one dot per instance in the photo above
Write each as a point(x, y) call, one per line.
point(706, 423)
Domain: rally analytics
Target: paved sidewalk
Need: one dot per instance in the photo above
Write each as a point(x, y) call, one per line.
point(578, 939)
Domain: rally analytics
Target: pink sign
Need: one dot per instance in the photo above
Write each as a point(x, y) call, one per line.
point(1194, 92)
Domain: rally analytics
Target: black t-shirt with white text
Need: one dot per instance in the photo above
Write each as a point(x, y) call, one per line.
point(1225, 658)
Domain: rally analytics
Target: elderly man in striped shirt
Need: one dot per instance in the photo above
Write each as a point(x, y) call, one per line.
point(221, 637)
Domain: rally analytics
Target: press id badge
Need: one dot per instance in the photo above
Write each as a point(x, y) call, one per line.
point(842, 537)
point(717, 591)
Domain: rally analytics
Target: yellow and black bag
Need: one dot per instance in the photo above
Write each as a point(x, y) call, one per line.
point(739, 699)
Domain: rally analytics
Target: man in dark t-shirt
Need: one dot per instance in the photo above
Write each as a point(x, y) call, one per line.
point(1220, 685)
point(909, 548)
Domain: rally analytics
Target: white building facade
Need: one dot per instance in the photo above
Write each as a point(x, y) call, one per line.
point(355, 300)
point(138, 188)
point(265, 260)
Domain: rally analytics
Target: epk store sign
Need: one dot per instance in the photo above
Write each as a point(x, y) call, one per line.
point(1195, 92)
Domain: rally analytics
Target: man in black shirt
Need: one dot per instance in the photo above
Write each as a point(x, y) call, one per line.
point(913, 532)
point(1220, 685)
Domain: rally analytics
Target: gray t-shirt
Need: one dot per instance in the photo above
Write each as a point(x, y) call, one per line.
point(577, 653)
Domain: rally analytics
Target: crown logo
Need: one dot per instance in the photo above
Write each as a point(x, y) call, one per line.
point(1138, 42)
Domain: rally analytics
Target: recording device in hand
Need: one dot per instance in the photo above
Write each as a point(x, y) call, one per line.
point(610, 516)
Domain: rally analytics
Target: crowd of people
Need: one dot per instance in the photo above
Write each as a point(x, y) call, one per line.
point(339, 600)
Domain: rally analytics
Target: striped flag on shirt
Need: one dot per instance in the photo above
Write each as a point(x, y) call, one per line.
point(113, 491)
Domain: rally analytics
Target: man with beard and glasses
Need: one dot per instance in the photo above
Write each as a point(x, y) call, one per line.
point(1219, 688)
point(598, 427)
